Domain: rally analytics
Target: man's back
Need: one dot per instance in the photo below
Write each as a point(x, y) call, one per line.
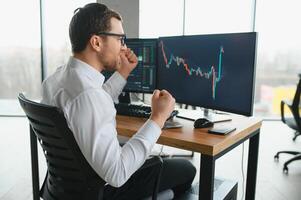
point(69, 81)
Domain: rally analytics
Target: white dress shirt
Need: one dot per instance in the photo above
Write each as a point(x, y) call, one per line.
point(87, 102)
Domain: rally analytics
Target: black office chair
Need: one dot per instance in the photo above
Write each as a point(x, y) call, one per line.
point(69, 176)
point(293, 122)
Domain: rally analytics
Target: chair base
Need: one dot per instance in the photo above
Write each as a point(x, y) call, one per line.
point(296, 157)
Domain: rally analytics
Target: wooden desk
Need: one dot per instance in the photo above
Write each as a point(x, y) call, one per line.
point(210, 146)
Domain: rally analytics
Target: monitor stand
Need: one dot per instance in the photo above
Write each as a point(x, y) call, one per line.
point(125, 98)
point(196, 114)
point(214, 117)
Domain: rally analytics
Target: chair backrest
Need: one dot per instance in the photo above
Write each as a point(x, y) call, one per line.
point(69, 176)
point(295, 105)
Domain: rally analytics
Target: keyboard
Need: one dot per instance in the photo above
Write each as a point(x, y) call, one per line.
point(137, 110)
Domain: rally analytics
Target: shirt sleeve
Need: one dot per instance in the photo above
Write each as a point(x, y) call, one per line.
point(114, 85)
point(92, 120)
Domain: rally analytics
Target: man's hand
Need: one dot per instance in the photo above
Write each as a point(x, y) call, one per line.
point(162, 105)
point(128, 61)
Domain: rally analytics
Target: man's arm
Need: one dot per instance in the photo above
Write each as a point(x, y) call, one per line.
point(114, 85)
point(92, 119)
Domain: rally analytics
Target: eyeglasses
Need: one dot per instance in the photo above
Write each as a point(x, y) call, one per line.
point(121, 36)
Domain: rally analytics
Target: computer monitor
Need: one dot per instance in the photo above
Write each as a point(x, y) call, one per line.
point(213, 71)
point(143, 78)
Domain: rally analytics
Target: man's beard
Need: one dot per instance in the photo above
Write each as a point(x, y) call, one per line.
point(113, 65)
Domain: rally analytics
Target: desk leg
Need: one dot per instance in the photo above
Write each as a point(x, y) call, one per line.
point(206, 185)
point(34, 165)
point(252, 167)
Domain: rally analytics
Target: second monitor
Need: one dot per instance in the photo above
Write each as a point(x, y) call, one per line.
point(143, 78)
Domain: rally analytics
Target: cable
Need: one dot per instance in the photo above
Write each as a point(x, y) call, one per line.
point(242, 171)
point(161, 150)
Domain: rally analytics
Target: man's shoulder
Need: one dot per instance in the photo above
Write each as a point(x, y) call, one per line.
point(67, 79)
point(69, 84)
point(61, 87)
point(51, 79)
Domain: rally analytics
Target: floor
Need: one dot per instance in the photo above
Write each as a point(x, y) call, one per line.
point(272, 183)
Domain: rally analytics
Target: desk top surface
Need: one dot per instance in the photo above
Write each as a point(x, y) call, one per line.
point(197, 140)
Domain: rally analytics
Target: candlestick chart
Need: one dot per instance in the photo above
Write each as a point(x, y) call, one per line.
point(214, 73)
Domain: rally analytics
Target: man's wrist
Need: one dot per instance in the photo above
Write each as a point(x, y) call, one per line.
point(158, 120)
point(124, 72)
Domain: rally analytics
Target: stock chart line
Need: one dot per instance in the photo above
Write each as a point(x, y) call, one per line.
point(197, 70)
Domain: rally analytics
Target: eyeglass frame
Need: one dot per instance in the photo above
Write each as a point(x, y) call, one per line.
point(122, 36)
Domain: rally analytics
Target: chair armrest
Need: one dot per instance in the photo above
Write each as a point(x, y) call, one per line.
point(282, 111)
point(288, 102)
point(155, 161)
point(284, 102)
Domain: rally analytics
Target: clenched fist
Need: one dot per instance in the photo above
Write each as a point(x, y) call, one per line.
point(128, 62)
point(162, 105)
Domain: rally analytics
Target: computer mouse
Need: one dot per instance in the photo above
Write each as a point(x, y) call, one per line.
point(202, 123)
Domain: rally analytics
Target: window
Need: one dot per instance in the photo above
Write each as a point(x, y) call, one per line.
point(19, 54)
point(160, 18)
point(20, 47)
point(57, 18)
point(278, 54)
point(214, 16)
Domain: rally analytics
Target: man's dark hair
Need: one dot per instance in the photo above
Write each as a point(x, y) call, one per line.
point(92, 19)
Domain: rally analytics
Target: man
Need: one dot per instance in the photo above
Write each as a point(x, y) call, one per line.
point(78, 88)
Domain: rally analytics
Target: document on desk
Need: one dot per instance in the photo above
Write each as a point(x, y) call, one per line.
point(195, 114)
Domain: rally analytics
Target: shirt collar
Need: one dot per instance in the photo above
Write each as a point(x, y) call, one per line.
point(87, 70)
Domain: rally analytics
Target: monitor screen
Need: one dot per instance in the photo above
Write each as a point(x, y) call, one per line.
point(143, 77)
point(214, 71)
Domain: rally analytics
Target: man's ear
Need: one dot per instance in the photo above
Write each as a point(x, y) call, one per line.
point(96, 42)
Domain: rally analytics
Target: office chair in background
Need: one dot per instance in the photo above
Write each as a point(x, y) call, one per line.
point(293, 122)
point(69, 176)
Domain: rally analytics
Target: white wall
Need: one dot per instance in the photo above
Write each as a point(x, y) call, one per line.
point(129, 10)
